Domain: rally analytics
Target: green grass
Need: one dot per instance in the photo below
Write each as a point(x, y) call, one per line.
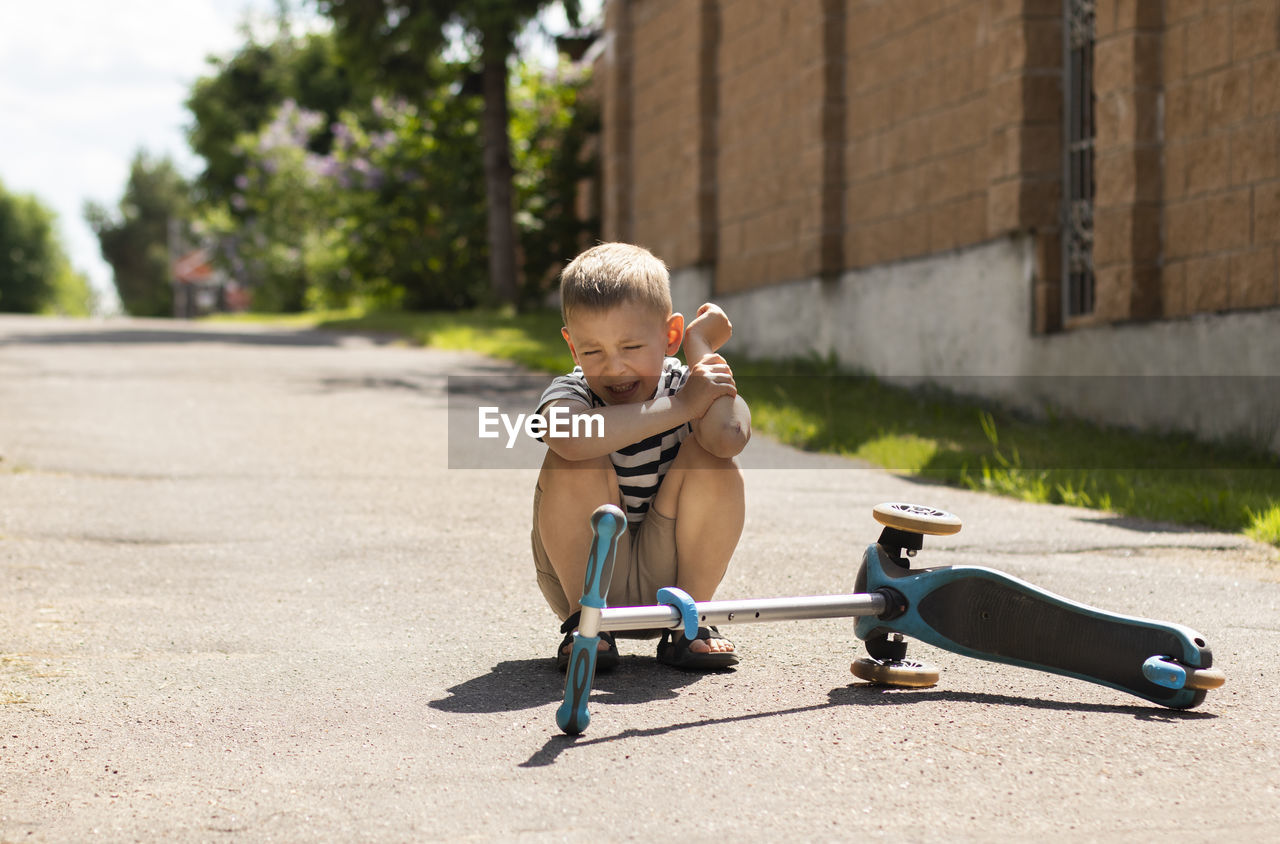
point(927, 433)
point(310, 319)
point(1264, 525)
point(969, 444)
point(532, 339)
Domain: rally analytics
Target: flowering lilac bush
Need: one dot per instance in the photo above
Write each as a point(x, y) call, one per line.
point(393, 215)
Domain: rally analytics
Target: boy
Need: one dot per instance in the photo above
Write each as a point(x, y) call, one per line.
point(665, 455)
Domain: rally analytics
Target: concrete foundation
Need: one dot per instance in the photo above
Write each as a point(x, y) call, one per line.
point(963, 320)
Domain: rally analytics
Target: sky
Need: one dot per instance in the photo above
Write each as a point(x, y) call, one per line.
point(85, 84)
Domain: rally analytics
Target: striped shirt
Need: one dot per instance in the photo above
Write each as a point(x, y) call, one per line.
point(640, 466)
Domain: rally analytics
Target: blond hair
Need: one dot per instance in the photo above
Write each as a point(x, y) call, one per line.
point(613, 274)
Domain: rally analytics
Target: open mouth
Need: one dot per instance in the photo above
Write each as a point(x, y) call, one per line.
point(622, 391)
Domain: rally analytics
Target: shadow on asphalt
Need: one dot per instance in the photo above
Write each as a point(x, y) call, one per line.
point(863, 694)
point(528, 683)
point(1139, 525)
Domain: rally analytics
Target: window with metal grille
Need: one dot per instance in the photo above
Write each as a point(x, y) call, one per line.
point(1079, 35)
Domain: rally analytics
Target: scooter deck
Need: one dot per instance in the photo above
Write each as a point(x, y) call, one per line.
point(986, 614)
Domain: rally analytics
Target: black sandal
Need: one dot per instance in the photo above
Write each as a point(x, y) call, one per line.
point(673, 649)
point(605, 660)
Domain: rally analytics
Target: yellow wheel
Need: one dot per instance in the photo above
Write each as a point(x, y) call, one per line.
point(906, 673)
point(914, 518)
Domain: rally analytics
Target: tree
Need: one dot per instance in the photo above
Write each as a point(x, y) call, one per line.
point(550, 128)
point(244, 91)
point(396, 41)
point(388, 218)
point(35, 274)
point(236, 99)
point(412, 224)
point(134, 238)
point(279, 208)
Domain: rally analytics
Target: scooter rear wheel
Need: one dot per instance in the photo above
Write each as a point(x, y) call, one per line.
point(1203, 679)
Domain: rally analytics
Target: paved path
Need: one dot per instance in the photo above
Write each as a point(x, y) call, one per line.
point(243, 596)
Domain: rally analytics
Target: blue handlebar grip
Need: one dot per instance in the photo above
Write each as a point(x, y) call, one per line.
point(685, 604)
point(572, 716)
point(608, 524)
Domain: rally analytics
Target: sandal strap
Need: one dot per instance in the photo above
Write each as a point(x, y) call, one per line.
point(571, 623)
point(676, 636)
point(710, 633)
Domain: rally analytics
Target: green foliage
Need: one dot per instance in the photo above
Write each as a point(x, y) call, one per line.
point(411, 218)
point(273, 218)
point(236, 99)
point(35, 274)
point(551, 124)
point(323, 194)
point(390, 43)
point(70, 294)
point(395, 44)
point(393, 41)
point(243, 92)
point(391, 215)
point(134, 237)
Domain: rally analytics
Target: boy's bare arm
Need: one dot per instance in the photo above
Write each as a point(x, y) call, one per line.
point(625, 424)
point(725, 428)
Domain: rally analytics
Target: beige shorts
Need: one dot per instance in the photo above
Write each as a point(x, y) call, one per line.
point(646, 562)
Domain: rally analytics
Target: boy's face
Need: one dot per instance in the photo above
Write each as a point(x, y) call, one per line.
point(621, 350)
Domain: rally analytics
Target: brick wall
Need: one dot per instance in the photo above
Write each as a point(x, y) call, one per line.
point(665, 128)
point(770, 150)
point(1128, 204)
point(1222, 155)
point(780, 141)
point(919, 162)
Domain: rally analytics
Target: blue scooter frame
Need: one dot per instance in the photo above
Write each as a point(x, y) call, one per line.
point(970, 610)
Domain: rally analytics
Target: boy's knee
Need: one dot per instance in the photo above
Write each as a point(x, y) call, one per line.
point(694, 456)
point(703, 475)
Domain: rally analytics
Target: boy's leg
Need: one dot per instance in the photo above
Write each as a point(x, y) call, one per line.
point(571, 491)
point(705, 496)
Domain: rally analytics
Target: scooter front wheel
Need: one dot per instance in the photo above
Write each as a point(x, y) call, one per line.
point(904, 673)
point(914, 518)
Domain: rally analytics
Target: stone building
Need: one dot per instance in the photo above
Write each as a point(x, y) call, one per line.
point(1044, 191)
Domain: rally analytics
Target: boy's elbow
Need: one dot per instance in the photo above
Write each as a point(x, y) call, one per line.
point(726, 429)
point(725, 440)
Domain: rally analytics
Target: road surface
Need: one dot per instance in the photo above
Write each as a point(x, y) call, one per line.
point(251, 589)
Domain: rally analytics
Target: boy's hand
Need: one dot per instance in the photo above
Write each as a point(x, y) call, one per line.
point(709, 379)
point(708, 331)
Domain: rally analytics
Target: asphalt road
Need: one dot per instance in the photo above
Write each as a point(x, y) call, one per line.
point(251, 589)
